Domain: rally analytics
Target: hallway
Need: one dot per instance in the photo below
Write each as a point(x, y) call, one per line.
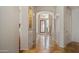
point(39, 29)
point(50, 29)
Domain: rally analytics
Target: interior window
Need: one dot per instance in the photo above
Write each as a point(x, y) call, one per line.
point(44, 23)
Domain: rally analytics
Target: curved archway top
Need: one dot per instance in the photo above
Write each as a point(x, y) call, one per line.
point(46, 12)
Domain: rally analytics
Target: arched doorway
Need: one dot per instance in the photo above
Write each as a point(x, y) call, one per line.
point(44, 30)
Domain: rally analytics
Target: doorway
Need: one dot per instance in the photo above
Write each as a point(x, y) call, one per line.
point(44, 30)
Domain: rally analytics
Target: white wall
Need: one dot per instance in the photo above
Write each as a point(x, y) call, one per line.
point(24, 29)
point(60, 25)
point(9, 29)
point(67, 25)
point(75, 25)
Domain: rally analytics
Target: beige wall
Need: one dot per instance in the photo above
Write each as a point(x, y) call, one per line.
point(75, 24)
point(9, 29)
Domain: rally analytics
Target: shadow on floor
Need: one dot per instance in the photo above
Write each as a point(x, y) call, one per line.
point(72, 47)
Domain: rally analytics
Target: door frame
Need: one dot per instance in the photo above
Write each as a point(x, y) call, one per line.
point(51, 28)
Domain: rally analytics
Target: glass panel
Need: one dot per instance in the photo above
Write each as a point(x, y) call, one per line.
point(47, 42)
point(47, 25)
point(44, 41)
point(44, 22)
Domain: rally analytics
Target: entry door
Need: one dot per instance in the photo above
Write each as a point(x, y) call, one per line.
point(44, 30)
